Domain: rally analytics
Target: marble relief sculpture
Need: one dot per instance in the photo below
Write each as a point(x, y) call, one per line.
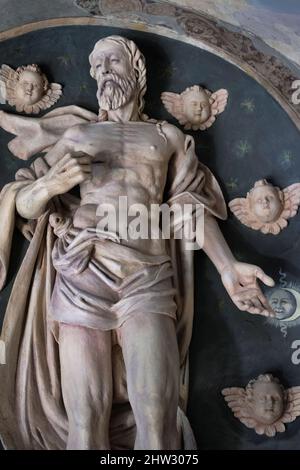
point(266, 207)
point(97, 329)
point(285, 303)
point(28, 89)
point(264, 405)
point(196, 107)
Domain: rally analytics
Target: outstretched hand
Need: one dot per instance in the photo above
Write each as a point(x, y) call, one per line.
point(240, 281)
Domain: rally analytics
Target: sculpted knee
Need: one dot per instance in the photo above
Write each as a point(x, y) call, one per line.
point(155, 408)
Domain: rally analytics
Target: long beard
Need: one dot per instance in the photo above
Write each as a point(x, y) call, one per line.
point(114, 91)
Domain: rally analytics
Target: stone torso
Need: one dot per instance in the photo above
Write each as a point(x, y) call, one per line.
point(129, 159)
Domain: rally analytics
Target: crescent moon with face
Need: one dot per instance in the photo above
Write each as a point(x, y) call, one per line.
point(296, 314)
point(285, 302)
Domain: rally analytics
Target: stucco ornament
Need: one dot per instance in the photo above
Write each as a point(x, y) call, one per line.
point(196, 107)
point(264, 405)
point(266, 207)
point(96, 334)
point(28, 89)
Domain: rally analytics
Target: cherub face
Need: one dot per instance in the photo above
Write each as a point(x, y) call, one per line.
point(196, 107)
point(267, 402)
point(29, 87)
point(283, 303)
point(265, 203)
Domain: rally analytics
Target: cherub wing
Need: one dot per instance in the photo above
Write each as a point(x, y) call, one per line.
point(3, 93)
point(7, 73)
point(293, 405)
point(291, 200)
point(239, 208)
point(219, 101)
point(235, 398)
point(8, 77)
point(172, 103)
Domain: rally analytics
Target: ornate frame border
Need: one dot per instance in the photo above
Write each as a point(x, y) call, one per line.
point(201, 32)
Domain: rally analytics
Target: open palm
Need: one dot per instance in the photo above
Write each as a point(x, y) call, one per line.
point(240, 281)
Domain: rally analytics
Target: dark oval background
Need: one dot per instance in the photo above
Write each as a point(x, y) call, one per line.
point(253, 139)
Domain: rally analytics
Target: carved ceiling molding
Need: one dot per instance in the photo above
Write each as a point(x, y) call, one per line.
point(174, 22)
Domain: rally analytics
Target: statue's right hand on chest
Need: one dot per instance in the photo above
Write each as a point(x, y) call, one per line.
point(71, 170)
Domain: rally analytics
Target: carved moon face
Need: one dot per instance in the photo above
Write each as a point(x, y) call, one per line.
point(196, 107)
point(29, 88)
point(267, 402)
point(283, 303)
point(265, 203)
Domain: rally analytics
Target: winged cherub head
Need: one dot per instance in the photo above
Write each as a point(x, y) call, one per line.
point(266, 207)
point(265, 397)
point(195, 108)
point(28, 89)
point(264, 405)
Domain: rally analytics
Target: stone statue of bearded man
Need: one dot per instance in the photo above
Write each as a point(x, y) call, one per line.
point(101, 356)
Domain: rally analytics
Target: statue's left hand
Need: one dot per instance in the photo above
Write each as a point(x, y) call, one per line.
point(240, 281)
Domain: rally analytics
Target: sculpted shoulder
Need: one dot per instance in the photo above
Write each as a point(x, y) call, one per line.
point(174, 135)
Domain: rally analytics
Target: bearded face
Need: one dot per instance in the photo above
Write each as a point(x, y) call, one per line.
point(111, 66)
point(115, 90)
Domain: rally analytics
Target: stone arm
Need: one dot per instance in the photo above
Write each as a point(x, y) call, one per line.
point(67, 169)
point(34, 135)
point(215, 245)
point(239, 279)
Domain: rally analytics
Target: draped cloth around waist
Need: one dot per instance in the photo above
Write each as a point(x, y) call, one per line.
point(100, 283)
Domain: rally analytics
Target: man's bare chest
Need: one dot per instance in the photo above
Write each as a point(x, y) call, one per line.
point(130, 143)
